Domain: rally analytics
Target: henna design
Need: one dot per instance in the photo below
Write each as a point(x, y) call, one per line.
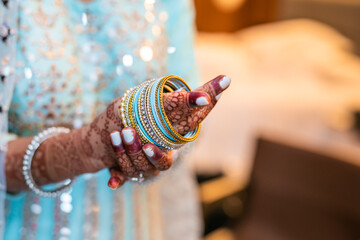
point(13, 164)
point(141, 162)
point(126, 166)
point(161, 160)
point(131, 140)
point(185, 117)
point(84, 150)
point(179, 104)
point(173, 101)
point(133, 148)
point(123, 159)
point(89, 148)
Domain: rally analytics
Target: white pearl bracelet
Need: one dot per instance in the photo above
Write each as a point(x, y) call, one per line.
point(29, 154)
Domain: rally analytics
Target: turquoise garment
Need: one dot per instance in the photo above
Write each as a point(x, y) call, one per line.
point(72, 60)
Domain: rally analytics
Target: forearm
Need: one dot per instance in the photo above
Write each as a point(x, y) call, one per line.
point(89, 149)
point(67, 155)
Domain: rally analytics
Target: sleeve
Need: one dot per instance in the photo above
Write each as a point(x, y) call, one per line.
point(181, 31)
point(8, 29)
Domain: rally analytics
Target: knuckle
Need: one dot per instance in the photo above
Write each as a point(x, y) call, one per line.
point(164, 164)
point(129, 172)
point(121, 154)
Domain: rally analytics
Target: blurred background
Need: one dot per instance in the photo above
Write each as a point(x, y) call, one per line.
point(286, 160)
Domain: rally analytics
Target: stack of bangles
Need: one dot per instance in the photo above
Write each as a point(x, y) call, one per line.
point(142, 108)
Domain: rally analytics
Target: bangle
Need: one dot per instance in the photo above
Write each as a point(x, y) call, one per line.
point(33, 146)
point(176, 83)
point(142, 108)
point(158, 108)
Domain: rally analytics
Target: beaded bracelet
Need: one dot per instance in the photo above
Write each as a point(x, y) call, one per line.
point(136, 116)
point(156, 110)
point(154, 127)
point(170, 143)
point(29, 154)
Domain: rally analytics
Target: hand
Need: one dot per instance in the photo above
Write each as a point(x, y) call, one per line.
point(185, 110)
point(88, 149)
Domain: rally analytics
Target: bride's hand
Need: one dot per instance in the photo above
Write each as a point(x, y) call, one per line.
point(88, 149)
point(185, 110)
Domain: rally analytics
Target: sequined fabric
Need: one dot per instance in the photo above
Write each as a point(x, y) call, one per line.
point(72, 60)
point(8, 29)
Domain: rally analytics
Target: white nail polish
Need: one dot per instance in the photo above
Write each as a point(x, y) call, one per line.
point(218, 97)
point(224, 82)
point(115, 138)
point(128, 135)
point(149, 152)
point(202, 101)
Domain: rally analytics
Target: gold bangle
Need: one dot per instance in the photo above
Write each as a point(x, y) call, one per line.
point(177, 135)
point(155, 127)
point(162, 122)
point(158, 131)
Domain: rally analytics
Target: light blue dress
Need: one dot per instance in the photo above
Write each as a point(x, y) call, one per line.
point(72, 59)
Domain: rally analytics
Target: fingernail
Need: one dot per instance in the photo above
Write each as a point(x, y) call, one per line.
point(114, 182)
point(149, 152)
point(115, 138)
point(202, 101)
point(128, 135)
point(197, 99)
point(224, 82)
point(218, 97)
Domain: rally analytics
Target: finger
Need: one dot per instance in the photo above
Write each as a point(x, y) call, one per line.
point(187, 119)
point(215, 87)
point(117, 179)
point(160, 159)
point(183, 99)
point(178, 105)
point(133, 148)
point(151, 174)
point(123, 159)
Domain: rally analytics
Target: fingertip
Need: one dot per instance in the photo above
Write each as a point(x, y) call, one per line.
point(114, 182)
point(224, 82)
point(149, 145)
point(199, 99)
point(217, 85)
point(131, 139)
point(128, 134)
point(115, 138)
point(149, 150)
